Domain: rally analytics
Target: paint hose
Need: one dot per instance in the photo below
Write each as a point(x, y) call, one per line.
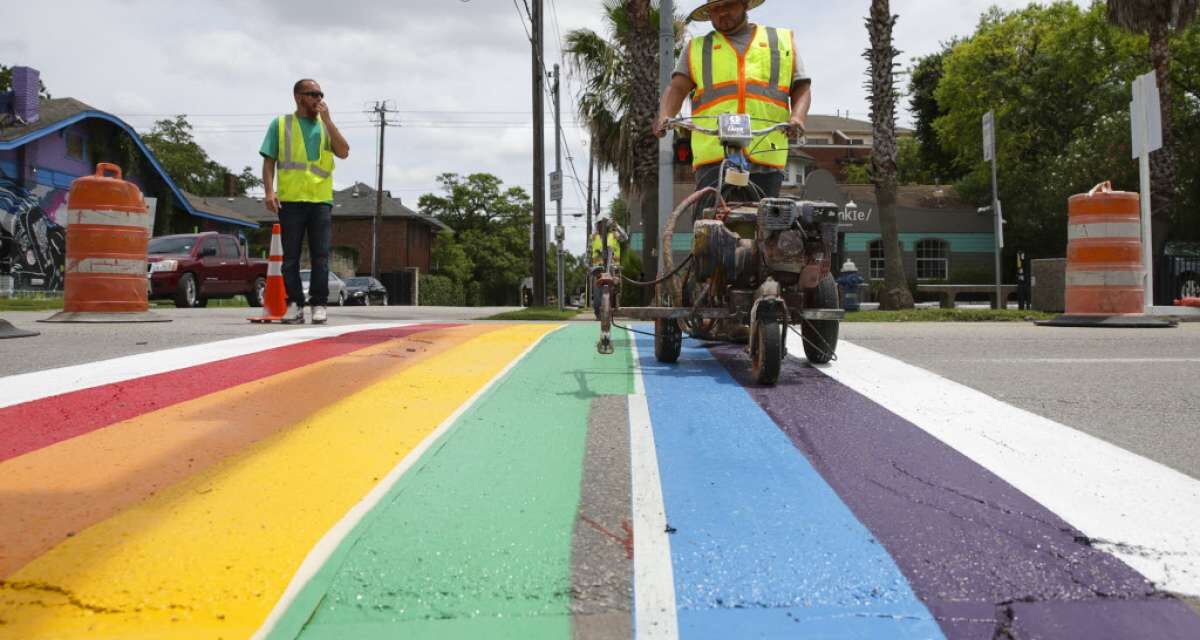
point(676, 288)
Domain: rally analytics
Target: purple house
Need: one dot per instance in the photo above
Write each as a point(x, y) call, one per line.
point(47, 143)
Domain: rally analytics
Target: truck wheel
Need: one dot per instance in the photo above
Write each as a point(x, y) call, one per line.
point(767, 353)
point(821, 336)
point(186, 292)
point(255, 297)
point(668, 341)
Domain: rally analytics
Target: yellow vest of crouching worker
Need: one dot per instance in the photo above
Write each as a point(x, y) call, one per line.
point(299, 179)
point(757, 83)
point(598, 248)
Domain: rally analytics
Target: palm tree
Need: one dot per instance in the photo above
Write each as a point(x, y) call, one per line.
point(1158, 19)
point(620, 98)
point(881, 57)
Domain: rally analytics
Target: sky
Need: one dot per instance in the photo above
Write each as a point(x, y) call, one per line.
point(458, 72)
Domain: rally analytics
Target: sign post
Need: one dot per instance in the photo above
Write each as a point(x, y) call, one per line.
point(989, 154)
point(1145, 119)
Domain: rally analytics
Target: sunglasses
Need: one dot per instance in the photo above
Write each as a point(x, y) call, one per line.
point(312, 94)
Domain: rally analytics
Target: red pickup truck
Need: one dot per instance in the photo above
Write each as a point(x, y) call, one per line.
point(194, 268)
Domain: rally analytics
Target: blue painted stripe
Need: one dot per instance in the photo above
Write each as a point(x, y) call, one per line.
point(763, 546)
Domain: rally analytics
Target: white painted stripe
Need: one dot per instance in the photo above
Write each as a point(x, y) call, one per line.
point(1081, 360)
point(1125, 278)
point(1132, 230)
point(1141, 511)
point(115, 266)
point(108, 218)
point(275, 268)
point(329, 543)
point(37, 385)
point(655, 616)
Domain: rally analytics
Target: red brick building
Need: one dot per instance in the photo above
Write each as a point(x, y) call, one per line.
point(405, 236)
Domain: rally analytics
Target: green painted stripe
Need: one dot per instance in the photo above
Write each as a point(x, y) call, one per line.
point(959, 242)
point(475, 540)
point(679, 242)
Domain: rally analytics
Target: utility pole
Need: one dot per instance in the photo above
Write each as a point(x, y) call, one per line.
point(587, 231)
point(666, 167)
point(539, 161)
point(380, 111)
point(556, 191)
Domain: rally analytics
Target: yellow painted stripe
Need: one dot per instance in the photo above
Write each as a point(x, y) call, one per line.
point(209, 556)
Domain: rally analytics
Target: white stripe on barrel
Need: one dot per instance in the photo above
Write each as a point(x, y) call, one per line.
point(274, 268)
point(109, 266)
point(1087, 230)
point(1126, 278)
point(106, 217)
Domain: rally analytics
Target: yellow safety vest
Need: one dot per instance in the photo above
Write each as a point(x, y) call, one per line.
point(299, 179)
point(598, 248)
point(757, 83)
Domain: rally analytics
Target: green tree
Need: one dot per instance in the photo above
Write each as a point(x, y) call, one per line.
point(1058, 79)
point(932, 159)
point(6, 82)
point(1158, 19)
point(188, 163)
point(491, 227)
point(450, 259)
point(881, 56)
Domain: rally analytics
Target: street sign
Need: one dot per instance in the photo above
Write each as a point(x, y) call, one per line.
point(1145, 116)
point(556, 185)
point(989, 135)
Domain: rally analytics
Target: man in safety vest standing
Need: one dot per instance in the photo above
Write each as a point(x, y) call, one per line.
point(739, 67)
point(299, 149)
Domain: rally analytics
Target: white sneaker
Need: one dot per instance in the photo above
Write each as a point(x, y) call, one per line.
point(318, 315)
point(294, 314)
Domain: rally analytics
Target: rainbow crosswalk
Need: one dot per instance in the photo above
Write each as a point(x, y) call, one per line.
point(505, 481)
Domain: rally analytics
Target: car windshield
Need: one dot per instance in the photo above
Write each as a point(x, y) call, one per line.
point(358, 282)
point(171, 244)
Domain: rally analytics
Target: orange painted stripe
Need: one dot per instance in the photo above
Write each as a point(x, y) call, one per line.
point(49, 494)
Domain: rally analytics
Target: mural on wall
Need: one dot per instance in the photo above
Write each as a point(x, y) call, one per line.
point(33, 245)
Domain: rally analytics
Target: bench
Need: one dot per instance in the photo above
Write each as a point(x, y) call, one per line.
point(947, 292)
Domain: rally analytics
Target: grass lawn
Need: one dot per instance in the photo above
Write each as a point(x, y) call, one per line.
point(536, 313)
point(948, 315)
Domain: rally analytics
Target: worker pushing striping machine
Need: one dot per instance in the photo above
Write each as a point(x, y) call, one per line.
point(756, 269)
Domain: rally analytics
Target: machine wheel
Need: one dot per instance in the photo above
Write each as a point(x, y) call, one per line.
point(821, 336)
point(255, 297)
point(185, 292)
point(767, 352)
point(668, 341)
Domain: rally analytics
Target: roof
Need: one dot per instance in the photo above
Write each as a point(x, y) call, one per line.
point(60, 113)
point(820, 123)
point(217, 207)
point(357, 201)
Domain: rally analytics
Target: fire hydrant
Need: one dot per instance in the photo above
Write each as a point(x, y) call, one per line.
point(849, 282)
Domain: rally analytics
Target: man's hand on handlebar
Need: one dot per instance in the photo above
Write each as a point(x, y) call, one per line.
point(796, 126)
point(660, 126)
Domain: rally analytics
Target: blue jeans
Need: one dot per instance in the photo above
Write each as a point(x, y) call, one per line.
point(314, 219)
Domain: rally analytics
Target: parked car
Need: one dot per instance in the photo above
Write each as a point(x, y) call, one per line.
point(365, 290)
point(194, 268)
point(337, 287)
point(1182, 269)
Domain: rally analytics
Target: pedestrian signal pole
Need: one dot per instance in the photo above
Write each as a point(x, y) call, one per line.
point(989, 153)
point(539, 160)
point(556, 191)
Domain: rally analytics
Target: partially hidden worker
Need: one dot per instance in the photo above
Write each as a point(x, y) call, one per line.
point(298, 150)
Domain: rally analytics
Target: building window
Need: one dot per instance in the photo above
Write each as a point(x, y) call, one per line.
point(933, 260)
point(876, 269)
point(74, 146)
point(857, 141)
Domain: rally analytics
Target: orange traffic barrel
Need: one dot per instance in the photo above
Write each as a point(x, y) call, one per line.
point(108, 230)
point(1105, 277)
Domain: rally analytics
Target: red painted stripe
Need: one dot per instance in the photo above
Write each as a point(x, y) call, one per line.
point(33, 425)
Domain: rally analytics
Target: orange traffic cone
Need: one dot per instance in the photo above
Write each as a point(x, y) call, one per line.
point(275, 296)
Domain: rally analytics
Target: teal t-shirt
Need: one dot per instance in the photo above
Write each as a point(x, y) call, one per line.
point(310, 129)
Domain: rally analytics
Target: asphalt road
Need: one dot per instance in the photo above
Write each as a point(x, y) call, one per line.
point(61, 345)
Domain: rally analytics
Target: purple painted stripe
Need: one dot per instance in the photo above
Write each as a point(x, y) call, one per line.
point(983, 557)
